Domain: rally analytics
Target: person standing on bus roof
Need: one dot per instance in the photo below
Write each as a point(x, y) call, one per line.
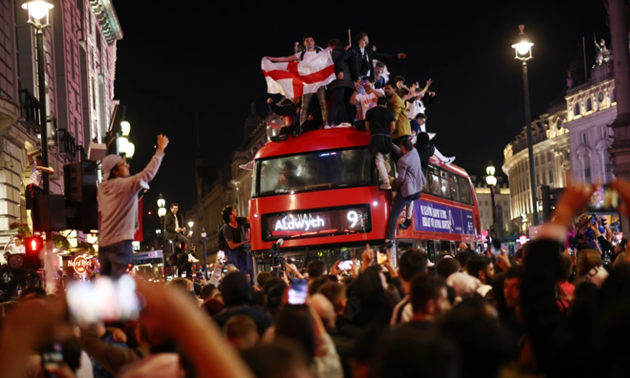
point(397, 106)
point(380, 123)
point(236, 237)
point(409, 185)
point(311, 48)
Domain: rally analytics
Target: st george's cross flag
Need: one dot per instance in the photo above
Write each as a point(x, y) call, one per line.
point(295, 79)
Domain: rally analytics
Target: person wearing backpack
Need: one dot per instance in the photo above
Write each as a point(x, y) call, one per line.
point(235, 240)
point(310, 48)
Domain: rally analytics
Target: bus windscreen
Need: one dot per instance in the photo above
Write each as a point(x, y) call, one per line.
point(320, 170)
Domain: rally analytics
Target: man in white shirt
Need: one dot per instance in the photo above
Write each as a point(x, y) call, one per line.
point(310, 48)
point(35, 184)
point(365, 98)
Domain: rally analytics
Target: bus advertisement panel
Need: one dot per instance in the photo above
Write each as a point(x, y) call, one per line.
point(435, 217)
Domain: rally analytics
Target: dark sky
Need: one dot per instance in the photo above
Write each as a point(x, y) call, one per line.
point(205, 57)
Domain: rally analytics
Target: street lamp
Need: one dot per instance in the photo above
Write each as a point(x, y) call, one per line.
point(161, 213)
point(523, 51)
point(125, 128)
point(38, 18)
point(491, 181)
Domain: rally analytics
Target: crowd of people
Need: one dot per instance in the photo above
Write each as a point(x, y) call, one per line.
point(544, 312)
point(362, 78)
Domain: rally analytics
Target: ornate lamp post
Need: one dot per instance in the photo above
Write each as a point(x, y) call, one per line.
point(523, 51)
point(38, 18)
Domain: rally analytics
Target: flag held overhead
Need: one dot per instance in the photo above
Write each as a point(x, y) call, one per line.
point(295, 79)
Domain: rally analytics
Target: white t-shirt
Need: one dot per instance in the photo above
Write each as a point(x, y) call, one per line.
point(368, 101)
point(415, 108)
point(36, 177)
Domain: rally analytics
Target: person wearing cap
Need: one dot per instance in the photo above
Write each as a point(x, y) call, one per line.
point(117, 198)
point(35, 184)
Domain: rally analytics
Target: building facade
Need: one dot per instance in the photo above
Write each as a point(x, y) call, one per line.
point(501, 198)
point(591, 110)
point(231, 185)
point(552, 160)
point(80, 58)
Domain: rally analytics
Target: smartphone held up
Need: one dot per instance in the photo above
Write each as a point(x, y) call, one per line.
point(103, 299)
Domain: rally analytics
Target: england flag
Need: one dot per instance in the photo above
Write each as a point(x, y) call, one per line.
point(295, 79)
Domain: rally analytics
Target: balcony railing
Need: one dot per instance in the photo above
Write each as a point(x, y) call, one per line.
point(29, 109)
point(67, 145)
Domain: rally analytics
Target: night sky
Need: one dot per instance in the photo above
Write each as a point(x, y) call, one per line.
point(205, 57)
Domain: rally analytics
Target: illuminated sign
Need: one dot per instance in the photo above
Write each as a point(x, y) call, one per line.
point(434, 217)
point(315, 223)
point(79, 264)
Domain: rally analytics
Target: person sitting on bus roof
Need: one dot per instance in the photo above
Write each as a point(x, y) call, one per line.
point(289, 108)
point(409, 184)
point(380, 123)
point(365, 99)
point(426, 149)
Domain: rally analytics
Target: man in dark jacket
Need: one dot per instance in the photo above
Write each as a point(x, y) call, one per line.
point(174, 229)
point(360, 60)
point(340, 110)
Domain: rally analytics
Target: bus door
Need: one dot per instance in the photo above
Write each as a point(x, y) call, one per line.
point(431, 250)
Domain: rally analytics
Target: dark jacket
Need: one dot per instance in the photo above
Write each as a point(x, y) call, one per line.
point(287, 111)
point(169, 223)
point(337, 54)
point(353, 59)
point(425, 152)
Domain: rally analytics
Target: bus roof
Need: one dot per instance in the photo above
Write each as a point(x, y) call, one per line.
point(331, 139)
point(317, 140)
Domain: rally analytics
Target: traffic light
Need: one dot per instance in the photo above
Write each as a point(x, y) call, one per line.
point(550, 198)
point(34, 246)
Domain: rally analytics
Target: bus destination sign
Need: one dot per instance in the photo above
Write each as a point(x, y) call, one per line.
point(318, 222)
point(435, 217)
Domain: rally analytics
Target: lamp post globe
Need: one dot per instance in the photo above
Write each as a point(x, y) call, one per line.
point(125, 128)
point(37, 9)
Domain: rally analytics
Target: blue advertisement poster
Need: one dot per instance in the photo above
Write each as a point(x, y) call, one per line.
point(434, 217)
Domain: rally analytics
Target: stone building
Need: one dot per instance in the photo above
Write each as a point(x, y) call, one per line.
point(80, 59)
point(229, 185)
point(551, 160)
point(591, 110)
point(501, 197)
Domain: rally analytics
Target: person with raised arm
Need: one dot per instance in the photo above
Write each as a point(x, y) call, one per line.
point(117, 198)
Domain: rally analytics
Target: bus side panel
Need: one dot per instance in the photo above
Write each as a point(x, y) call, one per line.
point(379, 202)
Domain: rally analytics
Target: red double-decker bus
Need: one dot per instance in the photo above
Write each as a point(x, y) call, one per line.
point(319, 193)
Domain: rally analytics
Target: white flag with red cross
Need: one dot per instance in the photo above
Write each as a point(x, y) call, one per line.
point(295, 79)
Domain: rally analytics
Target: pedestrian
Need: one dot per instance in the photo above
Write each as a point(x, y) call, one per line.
point(35, 184)
point(380, 123)
point(117, 198)
point(235, 235)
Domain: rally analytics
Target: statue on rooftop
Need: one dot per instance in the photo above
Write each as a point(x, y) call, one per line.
point(603, 54)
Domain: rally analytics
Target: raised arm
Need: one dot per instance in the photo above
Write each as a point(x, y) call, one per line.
point(30, 156)
point(290, 58)
point(140, 180)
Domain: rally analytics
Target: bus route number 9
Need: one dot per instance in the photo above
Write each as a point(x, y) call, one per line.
point(353, 217)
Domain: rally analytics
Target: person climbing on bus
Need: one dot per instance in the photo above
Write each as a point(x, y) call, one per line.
point(408, 184)
point(380, 123)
